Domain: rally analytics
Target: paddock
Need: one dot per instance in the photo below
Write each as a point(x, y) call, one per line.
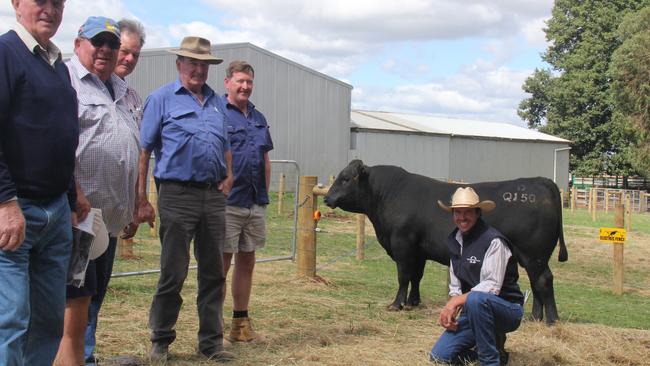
point(339, 316)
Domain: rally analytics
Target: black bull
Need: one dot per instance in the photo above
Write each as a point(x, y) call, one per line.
point(412, 228)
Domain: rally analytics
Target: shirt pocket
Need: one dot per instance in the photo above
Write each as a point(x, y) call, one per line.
point(183, 121)
point(91, 111)
point(262, 137)
point(237, 135)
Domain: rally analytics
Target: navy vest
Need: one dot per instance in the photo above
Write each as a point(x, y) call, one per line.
point(467, 266)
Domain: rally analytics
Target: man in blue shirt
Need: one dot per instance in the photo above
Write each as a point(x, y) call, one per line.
point(184, 126)
point(246, 208)
point(39, 133)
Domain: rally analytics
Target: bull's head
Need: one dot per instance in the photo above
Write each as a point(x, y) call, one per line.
point(350, 188)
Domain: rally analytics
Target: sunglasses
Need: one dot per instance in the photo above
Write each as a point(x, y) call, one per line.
point(112, 42)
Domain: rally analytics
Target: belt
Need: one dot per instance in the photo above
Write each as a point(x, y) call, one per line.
point(192, 184)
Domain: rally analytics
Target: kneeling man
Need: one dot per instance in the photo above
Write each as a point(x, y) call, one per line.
point(485, 301)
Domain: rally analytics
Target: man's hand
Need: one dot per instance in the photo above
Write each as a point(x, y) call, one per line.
point(12, 226)
point(145, 213)
point(226, 184)
point(129, 230)
point(448, 318)
point(82, 206)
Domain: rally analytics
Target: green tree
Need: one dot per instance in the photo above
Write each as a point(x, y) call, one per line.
point(630, 73)
point(572, 99)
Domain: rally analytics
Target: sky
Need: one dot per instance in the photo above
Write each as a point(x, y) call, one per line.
point(463, 59)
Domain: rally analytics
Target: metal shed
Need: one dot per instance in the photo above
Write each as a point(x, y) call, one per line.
point(458, 149)
point(308, 112)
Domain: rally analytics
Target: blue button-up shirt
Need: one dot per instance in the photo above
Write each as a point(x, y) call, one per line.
point(250, 139)
point(188, 139)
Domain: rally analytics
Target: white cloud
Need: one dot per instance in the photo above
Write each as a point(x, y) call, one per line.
point(480, 91)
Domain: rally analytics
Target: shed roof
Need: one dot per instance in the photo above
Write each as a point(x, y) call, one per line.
point(436, 125)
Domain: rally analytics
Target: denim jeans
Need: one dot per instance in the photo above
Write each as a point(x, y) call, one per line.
point(483, 316)
point(32, 285)
point(104, 268)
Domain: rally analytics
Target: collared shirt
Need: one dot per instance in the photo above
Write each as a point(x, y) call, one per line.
point(493, 270)
point(134, 104)
point(108, 152)
point(50, 54)
point(188, 137)
point(249, 141)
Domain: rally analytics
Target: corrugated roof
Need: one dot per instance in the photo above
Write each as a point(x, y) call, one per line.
point(427, 124)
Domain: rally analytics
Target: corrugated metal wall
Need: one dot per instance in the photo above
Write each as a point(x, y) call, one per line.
point(462, 159)
point(475, 160)
point(308, 112)
point(427, 155)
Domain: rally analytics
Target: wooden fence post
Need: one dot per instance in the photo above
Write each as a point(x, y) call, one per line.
point(574, 193)
point(594, 203)
point(606, 200)
point(153, 200)
point(618, 252)
point(306, 236)
point(281, 193)
point(628, 213)
point(361, 236)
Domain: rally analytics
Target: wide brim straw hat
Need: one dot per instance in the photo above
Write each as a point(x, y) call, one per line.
point(197, 48)
point(466, 197)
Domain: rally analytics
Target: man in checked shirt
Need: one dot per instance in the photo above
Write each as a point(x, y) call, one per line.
point(484, 298)
point(107, 162)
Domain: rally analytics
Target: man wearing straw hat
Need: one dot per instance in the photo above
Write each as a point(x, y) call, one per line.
point(184, 126)
point(485, 301)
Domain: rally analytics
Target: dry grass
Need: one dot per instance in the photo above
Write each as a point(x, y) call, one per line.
point(336, 323)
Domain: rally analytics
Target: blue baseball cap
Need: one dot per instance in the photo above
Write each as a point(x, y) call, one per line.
point(95, 25)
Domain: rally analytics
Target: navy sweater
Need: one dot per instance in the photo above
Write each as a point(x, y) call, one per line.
point(39, 127)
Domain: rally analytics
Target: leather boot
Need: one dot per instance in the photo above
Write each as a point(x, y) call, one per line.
point(241, 330)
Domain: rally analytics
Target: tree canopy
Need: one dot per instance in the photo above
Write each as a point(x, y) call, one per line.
point(630, 73)
point(572, 99)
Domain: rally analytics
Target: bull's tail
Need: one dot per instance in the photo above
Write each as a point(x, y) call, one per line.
point(563, 255)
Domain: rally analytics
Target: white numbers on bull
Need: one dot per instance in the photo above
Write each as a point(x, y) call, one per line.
point(519, 195)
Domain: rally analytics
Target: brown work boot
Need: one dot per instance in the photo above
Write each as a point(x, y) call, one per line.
point(241, 330)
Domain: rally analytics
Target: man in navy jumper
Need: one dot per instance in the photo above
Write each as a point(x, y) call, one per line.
point(485, 301)
point(38, 137)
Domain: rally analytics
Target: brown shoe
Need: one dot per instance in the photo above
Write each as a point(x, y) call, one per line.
point(241, 330)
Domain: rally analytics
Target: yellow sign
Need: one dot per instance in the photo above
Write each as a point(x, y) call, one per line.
point(612, 235)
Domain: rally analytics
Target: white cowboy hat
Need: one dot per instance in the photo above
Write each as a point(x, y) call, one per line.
point(466, 197)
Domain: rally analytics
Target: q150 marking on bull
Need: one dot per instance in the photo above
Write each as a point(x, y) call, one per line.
point(519, 196)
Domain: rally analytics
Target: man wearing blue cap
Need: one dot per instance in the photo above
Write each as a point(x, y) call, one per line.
point(38, 138)
point(106, 165)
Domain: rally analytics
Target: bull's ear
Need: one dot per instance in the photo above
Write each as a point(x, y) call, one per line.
point(363, 170)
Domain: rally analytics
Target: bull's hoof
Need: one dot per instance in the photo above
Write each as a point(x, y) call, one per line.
point(393, 307)
point(534, 318)
point(411, 306)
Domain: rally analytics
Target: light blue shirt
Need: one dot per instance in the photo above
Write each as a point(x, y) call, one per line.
point(188, 138)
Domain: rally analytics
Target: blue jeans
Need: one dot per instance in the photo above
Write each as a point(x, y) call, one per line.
point(483, 316)
point(32, 285)
point(104, 268)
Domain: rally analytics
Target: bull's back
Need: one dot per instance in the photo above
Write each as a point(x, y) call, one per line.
point(526, 212)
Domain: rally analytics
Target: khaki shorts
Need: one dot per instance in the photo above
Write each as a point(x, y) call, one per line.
point(245, 229)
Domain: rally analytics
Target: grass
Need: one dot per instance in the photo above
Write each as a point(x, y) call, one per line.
point(342, 320)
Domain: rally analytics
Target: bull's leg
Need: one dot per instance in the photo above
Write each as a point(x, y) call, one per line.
point(547, 294)
point(417, 271)
point(541, 280)
point(403, 282)
point(533, 274)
